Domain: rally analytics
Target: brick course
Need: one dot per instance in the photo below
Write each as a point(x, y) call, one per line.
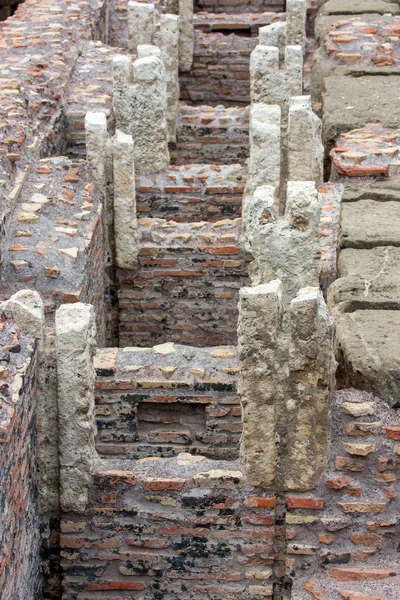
point(154, 404)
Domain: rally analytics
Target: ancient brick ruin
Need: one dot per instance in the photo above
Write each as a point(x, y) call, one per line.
point(199, 300)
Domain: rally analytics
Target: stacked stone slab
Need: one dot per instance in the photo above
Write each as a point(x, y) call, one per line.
point(284, 310)
point(140, 108)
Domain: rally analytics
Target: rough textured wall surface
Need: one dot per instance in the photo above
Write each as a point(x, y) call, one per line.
point(167, 529)
point(204, 192)
point(220, 70)
point(186, 285)
point(20, 575)
point(167, 399)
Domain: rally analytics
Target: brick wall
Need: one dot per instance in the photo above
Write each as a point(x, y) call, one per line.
point(220, 71)
point(19, 502)
point(186, 287)
point(214, 134)
point(192, 192)
point(168, 399)
point(345, 536)
point(163, 530)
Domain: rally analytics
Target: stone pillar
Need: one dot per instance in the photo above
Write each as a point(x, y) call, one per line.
point(286, 381)
point(293, 71)
point(186, 37)
point(122, 104)
point(98, 156)
point(296, 16)
point(304, 414)
point(141, 24)
point(125, 220)
point(168, 42)
point(75, 336)
point(305, 148)
point(96, 144)
point(286, 248)
point(259, 325)
point(149, 107)
point(272, 83)
point(265, 145)
point(145, 50)
point(274, 35)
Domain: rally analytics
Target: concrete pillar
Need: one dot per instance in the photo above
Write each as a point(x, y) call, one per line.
point(304, 417)
point(274, 35)
point(145, 50)
point(286, 248)
point(125, 219)
point(168, 42)
point(265, 145)
point(141, 24)
point(98, 156)
point(186, 37)
point(286, 381)
point(296, 16)
point(272, 82)
point(149, 108)
point(122, 80)
point(259, 325)
point(305, 148)
point(75, 343)
point(96, 144)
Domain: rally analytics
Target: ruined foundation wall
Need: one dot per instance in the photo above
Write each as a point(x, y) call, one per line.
point(186, 284)
point(170, 528)
point(167, 399)
point(20, 564)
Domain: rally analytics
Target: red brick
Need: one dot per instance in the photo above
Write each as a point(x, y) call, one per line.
point(157, 485)
point(339, 483)
point(260, 502)
point(353, 574)
point(308, 503)
point(352, 595)
point(115, 585)
point(366, 539)
point(393, 433)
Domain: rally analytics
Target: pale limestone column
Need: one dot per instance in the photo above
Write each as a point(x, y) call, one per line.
point(305, 148)
point(75, 344)
point(186, 37)
point(27, 310)
point(96, 144)
point(285, 248)
point(125, 219)
point(168, 42)
point(259, 325)
point(149, 109)
point(265, 145)
point(305, 414)
point(272, 83)
point(296, 16)
point(274, 35)
point(98, 156)
point(145, 50)
point(258, 207)
point(141, 24)
point(293, 71)
point(122, 81)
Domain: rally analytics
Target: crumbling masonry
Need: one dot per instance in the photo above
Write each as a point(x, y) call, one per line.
point(199, 300)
